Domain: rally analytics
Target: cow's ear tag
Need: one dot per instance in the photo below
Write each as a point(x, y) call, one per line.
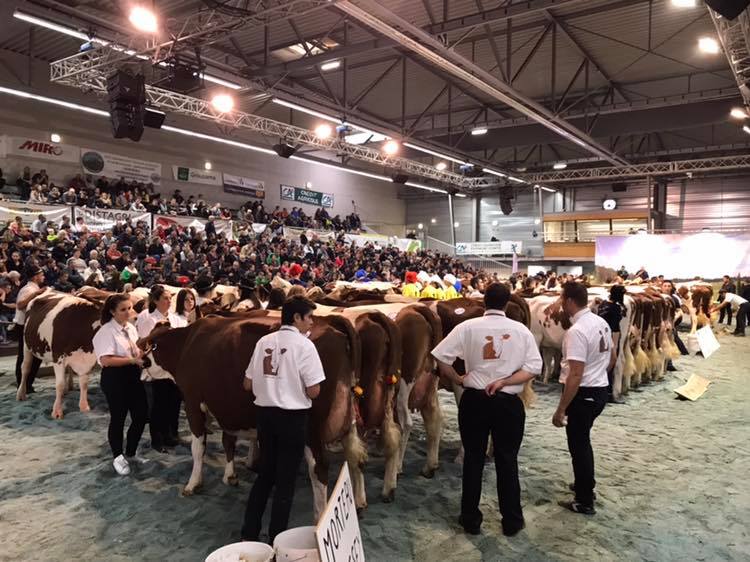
point(459, 311)
point(358, 391)
point(393, 379)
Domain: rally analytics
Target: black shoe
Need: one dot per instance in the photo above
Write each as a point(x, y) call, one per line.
point(576, 507)
point(171, 442)
point(572, 488)
point(671, 368)
point(513, 531)
point(471, 529)
point(738, 334)
point(615, 400)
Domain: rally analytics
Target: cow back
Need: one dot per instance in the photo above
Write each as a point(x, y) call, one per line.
point(58, 325)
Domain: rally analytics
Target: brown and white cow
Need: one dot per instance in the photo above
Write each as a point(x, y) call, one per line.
point(208, 359)
point(60, 330)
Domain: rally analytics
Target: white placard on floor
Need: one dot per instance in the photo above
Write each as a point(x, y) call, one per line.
point(707, 341)
point(337, 531)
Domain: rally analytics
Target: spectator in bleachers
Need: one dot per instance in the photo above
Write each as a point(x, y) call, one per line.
point(70, 197)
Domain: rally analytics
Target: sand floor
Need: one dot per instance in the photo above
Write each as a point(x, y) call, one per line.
point(672, 485)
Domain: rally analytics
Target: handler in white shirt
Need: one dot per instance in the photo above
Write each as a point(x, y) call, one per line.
point(284, 374)
point(501, 355)
point(588, 352)
point(741, 308)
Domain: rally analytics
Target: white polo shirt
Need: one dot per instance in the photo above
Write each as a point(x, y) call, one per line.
point(589, 340)
point(26, 290)
point(735, 301)
point(493, 347)
point(113, 339)
point(283, 365)
point(146, 321)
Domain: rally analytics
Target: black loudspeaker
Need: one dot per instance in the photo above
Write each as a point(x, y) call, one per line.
point(729, 9)
point(127, 98)
point(505, 204)
point(153, 118)
point(284, 150)
point(127, 121)
point(618, 187)
point(126, 88)
point(399, 178)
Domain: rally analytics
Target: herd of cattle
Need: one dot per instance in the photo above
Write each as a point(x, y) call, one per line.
point(375, 349)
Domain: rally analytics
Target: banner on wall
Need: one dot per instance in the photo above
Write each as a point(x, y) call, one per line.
point(29, 213)
point(403, 244)
point(183, 223)
point(244, 186)
point(194, 175)
point(489, 248)
point(302, 195)
point(709, 255)
point(101, 220)
point(35, 148)
point(116, 166)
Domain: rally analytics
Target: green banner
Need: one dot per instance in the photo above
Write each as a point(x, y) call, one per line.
point(302, 195)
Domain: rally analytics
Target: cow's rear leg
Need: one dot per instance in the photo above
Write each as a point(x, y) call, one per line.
point(68, 381)
point(433, 423)
point(230, 443)
point(198, 448)
point(83, 400)
point(391, 449)
point(404, 419)
point(60, 384)
point(356, 455)
point(25, 370)
point(319, 486)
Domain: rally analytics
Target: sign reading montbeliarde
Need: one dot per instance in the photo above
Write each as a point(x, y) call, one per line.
point(302, 195)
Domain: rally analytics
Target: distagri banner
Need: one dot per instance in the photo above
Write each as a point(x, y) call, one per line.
point(101, 220)
point(30, 212)
point(116, 166)
point(709, 255)
point(302, 195)
point(194, 175)
point(244, 186)
point(40, 149)
point(489, 248)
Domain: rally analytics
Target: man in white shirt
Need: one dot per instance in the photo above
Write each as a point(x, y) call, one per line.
point(500, 355)
point(588, 352)
point(284, 375)
point(740, 306)
point(39, 226)
point(34, 277)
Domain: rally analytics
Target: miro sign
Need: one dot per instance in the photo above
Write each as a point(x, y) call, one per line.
point(337, 531)
point(44, 150)
point(301, 195)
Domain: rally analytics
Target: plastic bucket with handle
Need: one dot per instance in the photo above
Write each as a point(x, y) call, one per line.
point(242, 551)
point(296, 545)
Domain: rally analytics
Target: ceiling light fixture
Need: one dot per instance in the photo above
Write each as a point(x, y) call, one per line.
point(223, 103)
point(433, 220)
point(323, 131)
point(738, 113)
point(494, 173)
point(220, 81)
point(709, 45)
point(207, 166)
point(54, 137)
point(461, 195)
point(433, 153)
point(517, 180)
point(391, 147)
point(143, 19)
point(330, 65)
point(456, 224)
point(546, 188)
point(559, 166)
point(69, 31)
point(479, 131)
point(441, 166)
point(684, 3)
point(425, 187)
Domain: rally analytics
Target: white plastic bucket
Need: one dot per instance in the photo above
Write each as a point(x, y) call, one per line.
point(255, 551)
point(692, 344)
point(296, 545)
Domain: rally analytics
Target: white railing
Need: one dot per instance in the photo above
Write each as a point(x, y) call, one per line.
point(486, 263)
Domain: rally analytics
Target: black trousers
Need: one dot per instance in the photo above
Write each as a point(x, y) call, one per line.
point(281, 435)
point(727, 310)
point(679, 343)
point(124, 391)
point(503, 416)
point(743, 317)
point(164, 410)
point(582, 411)
point(35, 362)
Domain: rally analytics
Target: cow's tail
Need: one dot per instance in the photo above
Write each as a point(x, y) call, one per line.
point(355, 346)
point(434, 321)
point(527, 395)
point(523, 303)
point(394, 346)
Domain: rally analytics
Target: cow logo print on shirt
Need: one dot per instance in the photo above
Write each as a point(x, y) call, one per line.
point(493, 349)
point(603, 345)
point(271, 362)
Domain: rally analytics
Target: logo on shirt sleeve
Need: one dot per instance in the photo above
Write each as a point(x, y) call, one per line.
point(271, 362)
point(493, 349)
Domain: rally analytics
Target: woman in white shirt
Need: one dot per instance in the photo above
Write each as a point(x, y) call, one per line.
point(121, 360)
point(165, 406)
point(185, 310)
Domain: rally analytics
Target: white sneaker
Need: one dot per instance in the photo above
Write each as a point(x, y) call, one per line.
point(137, 459)
point(121, 466)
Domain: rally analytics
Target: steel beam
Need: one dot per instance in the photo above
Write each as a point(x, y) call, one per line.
point(735, 40)
point(390, 25)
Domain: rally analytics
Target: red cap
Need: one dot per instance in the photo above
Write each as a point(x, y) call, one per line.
point(183, 280)
point(295, 269)
point(411, 276)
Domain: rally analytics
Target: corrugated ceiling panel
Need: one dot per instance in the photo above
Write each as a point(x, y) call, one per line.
point(709, 203)
point(590, 198)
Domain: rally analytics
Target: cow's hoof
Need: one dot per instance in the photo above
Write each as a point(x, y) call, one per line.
point(361, 512)
point(428, 472)
point(232, 480)
point(21, 396)
point(84, 407)
point(389, 497)
point(187, 492)
point(57, 414)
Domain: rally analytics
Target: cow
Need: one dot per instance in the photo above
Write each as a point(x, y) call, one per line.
point(60, 330)
point(208, 359)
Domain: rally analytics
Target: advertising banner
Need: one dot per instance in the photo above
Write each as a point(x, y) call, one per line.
point(101, 220)
point(35, 148)
point(182, 223)
point(708, 255)
point(29, 213)
point(302, 195)
point(115, 166)
point(194, 175)
point(244, 186)
point(489, 248)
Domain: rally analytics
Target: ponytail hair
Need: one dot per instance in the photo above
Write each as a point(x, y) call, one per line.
point(156, 292)
point(111, 304)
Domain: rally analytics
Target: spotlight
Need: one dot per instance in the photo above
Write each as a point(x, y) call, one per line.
point(331, 65)
point(684, 3)
point(559, 166)
point(207, 166)
point(479, 131)
point(709, 45)
point(495, 222)
point(420, 226)
point(284, 150)
point(54, 137)
point(391, 147)
point(441, 166)
point(537, 221)
point(399, 177)
point(323, 131)
point(308, 185)
point(223, 103)
point(433, 220)
point(143, 19)
point(738, 113)
point(456, 224)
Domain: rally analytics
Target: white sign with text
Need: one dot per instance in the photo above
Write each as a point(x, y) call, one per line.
point(337, 532)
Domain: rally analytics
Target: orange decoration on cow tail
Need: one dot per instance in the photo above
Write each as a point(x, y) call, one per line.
point(393, 379)
point(358, 391)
